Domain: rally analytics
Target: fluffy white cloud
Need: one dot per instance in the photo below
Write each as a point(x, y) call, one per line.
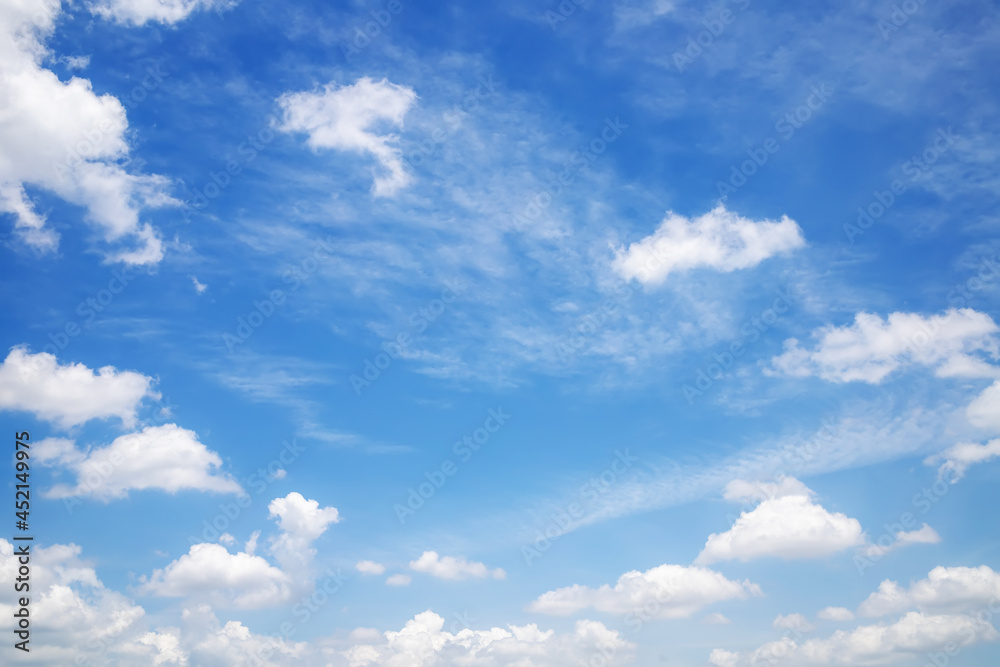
point(946, 589)
point(81, 617)
point(796, 622)
point(61, 137)
point(399, 580)
point(720, 240)
point(245, 580)
point(984, 411)
point(423, 642)
point(836, 614)
point(786, 524)
point(369, 567)
point(139, 12)
point(958, 458)
point(722, 658)
point(909, 637)
point(667, 591)
point(872, 348)
point(69, 394)
point(168, 457)
point(449, 567)
point(345, 118)
point(238, 580)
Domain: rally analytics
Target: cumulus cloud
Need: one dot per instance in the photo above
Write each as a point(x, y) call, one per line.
point(369, 567)
point(244, 580)
point(911, 636)
point(449, 567)
point(719, 240)
point(945, 589)
point(667, 591)
point(872, 348)
point(140, 12)
point(958, 458)
point(786, 524)
point(836, 614)
point(423, 642)
point(69, 394)
point(168, 458)
point(984, 411)
point(63, 138)
point(345, 119)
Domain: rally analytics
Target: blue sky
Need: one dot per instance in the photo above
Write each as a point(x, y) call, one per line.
point(386, 333)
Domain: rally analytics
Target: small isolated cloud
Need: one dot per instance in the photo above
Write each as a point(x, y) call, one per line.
point(245, 580)
point(722, 658)
point(796, 622)
point(424, 642)
point(399, 580)
point(716, 619)
point(168, 458)
point(786, 524)
point(199, 287)
point(944, 590)
point(667, 591)
point(448, 567)
point(345, 119)
point(958, 458)
point(719, 240)
point(369, 567)
point(872, 348)
point(923, 535)
point(140, 12)
point(842, 614)
point(69, 394)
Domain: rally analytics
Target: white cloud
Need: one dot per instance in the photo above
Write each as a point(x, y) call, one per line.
point(423, 642)
point(741, 490)
point(369, 567)
point(345, 119)
point(69, 394)
point(958, 458)
point(911, 636)
point(399, 580)
point(238, 580)
point(946, 589)
point(720, 240)
point(140, 12)
point(782, 525)
point(716, 618)
point(168, 457)
point(836, 614)
point(796, 622)
point(667, 591)
point(984, 411)
point(199, 287)
point(244, 580)
point(61, 137)
point(723, 658)
point(449, 567)
point(923, 535)
point(872, 348)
